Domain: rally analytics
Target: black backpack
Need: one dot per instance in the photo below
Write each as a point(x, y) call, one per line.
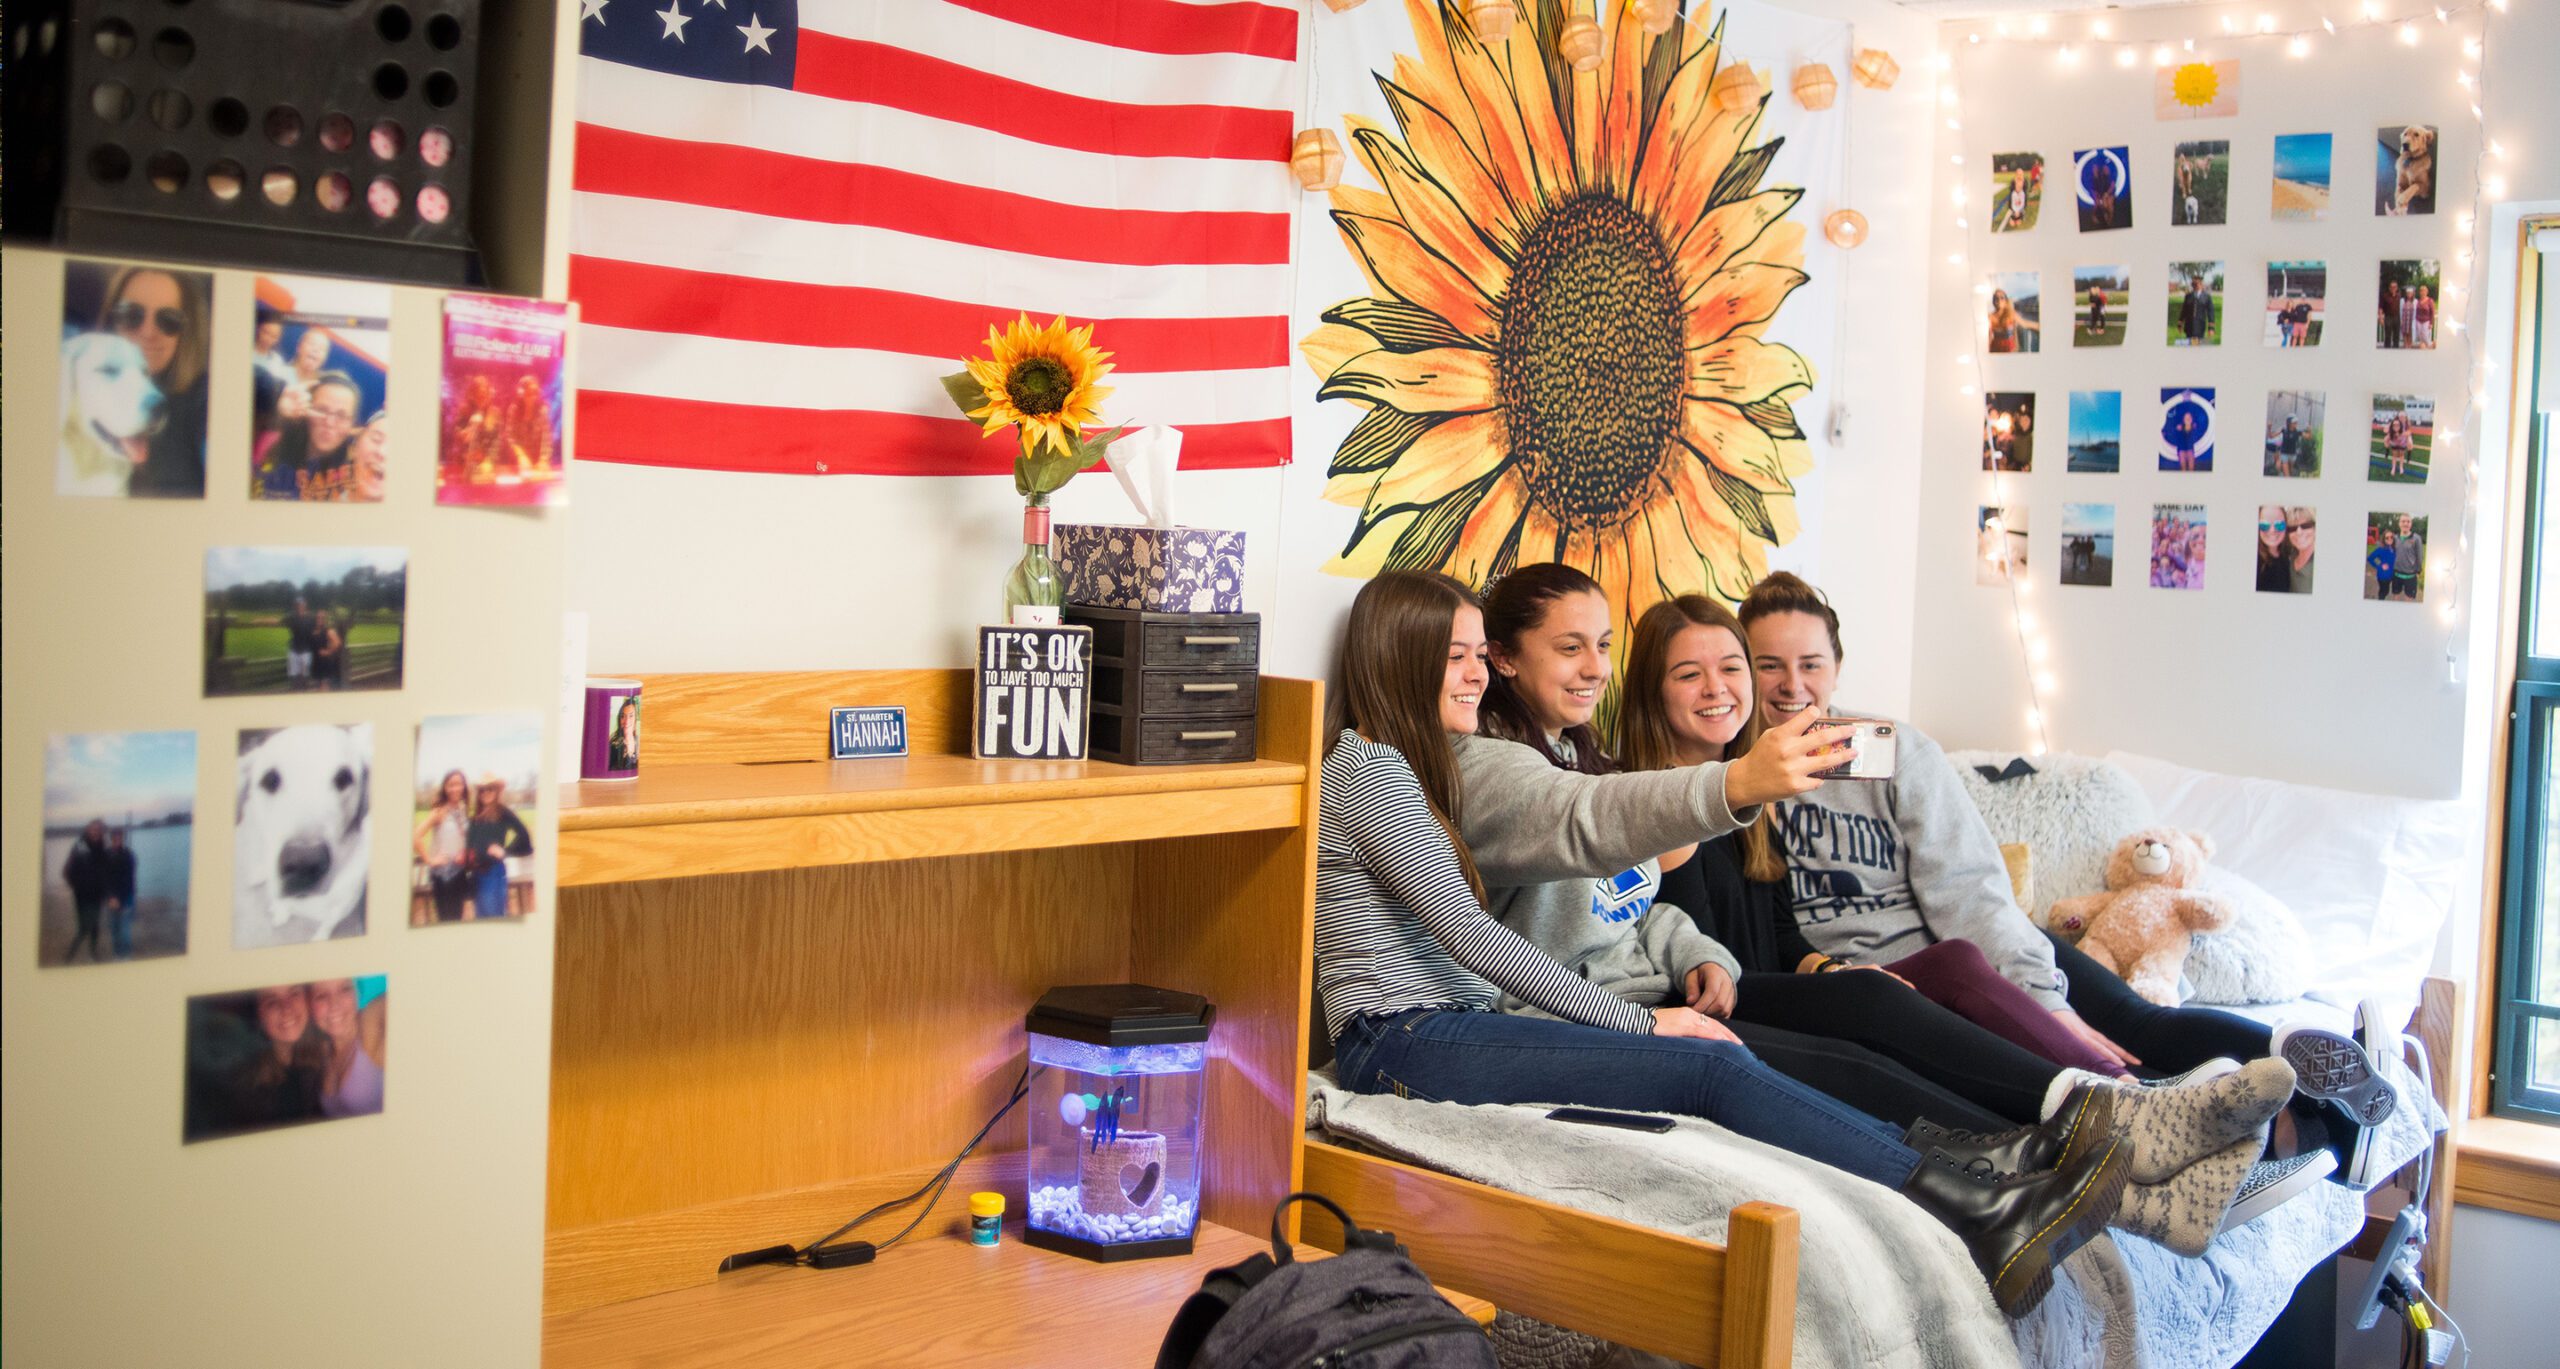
point(1366, 1308)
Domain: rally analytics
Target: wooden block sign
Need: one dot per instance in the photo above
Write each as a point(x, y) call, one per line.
point(1033, 687)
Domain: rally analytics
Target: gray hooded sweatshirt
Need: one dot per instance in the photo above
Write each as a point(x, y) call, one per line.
point(1568, 863)
point(1884, 868)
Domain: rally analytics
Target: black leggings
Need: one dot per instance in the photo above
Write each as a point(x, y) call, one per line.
point(1861, 1078)
point(2169, 1040)
point(1993, 1082)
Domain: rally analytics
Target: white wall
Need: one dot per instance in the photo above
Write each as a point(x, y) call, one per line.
point(2498, 1289)
point(689, 570)
point(2323, 688)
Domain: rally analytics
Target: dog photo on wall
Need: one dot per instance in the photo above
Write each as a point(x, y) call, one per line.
point(135, 346)
point(302, 834)
point(2404, 171)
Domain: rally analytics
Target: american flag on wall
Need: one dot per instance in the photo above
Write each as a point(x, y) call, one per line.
point(792, 216)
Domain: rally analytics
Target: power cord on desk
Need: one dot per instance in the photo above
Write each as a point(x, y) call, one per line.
point(823, 1254)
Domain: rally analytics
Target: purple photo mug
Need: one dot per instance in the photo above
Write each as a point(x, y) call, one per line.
point(612, 736)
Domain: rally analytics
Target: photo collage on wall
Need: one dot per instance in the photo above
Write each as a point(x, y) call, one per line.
point(2304, 179)
point(310, 798)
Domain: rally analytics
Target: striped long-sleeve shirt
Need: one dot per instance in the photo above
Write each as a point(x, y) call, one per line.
point(1396, 925)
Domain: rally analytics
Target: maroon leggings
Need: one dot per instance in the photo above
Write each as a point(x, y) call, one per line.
point(1953, 975)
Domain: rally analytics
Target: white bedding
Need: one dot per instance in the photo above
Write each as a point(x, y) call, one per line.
point(1879, 1284)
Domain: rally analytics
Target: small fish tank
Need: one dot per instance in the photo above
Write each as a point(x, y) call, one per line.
point(1115, 1120)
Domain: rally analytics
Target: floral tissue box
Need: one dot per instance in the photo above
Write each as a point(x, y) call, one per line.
point(1160, 570)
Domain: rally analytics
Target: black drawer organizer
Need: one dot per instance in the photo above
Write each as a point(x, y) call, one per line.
point(1173, 688)
point(317, 135)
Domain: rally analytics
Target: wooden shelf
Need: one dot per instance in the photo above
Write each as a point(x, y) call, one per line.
point(684, 820)
point(937, 1301)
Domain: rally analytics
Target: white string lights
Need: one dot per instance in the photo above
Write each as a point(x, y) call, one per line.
point(2097, 43)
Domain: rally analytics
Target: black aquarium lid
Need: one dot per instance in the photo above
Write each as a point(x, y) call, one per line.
point(1122, 1015)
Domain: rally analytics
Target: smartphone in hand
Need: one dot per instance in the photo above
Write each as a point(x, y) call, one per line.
point(1868, 744)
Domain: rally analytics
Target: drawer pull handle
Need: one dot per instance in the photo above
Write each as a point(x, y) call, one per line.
point(1228, 688)
point(1212, 641)
point(1226, 735)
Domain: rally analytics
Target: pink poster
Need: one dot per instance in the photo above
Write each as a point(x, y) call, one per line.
point(499, 439)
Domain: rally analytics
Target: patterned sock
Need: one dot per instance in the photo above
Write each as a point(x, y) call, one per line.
point(2184, 1212)
point(2173, 1128)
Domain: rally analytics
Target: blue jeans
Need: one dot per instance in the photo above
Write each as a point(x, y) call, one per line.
point(489, 895)
point(1449, 1056)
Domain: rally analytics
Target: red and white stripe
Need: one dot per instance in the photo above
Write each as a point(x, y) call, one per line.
point(775, 280)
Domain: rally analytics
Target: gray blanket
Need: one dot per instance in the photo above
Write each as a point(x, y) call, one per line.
point(1880, 1284)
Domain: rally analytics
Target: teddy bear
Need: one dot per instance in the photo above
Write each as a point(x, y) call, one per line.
point(2142, 926)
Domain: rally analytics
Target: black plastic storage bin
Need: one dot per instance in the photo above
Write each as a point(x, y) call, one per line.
point(313, 135)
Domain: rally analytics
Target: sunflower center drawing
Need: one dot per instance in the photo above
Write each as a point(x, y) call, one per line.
point(1562, 353)
point(1588, 361)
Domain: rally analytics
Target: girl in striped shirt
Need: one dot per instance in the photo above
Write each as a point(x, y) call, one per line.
point(1409, 966)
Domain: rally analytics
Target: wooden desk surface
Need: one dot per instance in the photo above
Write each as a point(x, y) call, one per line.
point(934, 1302)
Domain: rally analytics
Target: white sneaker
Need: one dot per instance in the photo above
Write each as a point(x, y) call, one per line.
point(2214, 1068)
point(2336, 1072)
point(2273, 1183)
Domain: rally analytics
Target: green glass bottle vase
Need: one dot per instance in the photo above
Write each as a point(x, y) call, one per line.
point(1033, 590)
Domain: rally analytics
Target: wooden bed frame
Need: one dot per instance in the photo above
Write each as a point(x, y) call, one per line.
point(1716, 1306)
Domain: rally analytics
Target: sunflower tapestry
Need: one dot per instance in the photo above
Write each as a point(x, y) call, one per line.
point(1564, 315)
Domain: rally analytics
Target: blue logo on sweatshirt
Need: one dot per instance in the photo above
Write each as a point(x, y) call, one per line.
point(1624, 896)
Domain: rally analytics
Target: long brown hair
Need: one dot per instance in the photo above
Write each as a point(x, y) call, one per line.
point(195, 345)
point(1513, 606)
point(1394, 659)
point(1786, 592)
point(1645, 739)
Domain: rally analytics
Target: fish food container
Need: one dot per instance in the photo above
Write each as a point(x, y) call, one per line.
point(1115, 1120)
point(1163, 570)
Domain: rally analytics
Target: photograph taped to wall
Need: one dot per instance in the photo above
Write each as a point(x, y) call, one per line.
point(2301, 177)
point(2017, 191)
point(499, 433)
point(479, 782)
point(320, 372)
point(2186, 428)
point(2009, 430)
point(1999, 543)
point(2395, 557)
point(2200, 183)
point(2104, 180)
point(2404, 317)
point(293, 620)
point(2196, 90)
point(137, 342)
point(259, 1059)
point(2402, 440)
point(2096, 432)
point(2404, 169)
point(2297, 428)
point(2288, 544)
point(302, 840)
point(2195, 304)
point(2013, 320)
point(119, 840)
point(2101, 305)
point(2089, 545)
point(2177, 546)
point(2297, 303)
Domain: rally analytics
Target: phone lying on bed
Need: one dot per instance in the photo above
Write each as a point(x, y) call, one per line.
point(1866, 745)
point(1625, 1121)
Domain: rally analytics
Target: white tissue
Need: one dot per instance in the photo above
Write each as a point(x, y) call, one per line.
point(1144, 462)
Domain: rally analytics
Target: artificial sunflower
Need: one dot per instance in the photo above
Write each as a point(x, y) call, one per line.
point(1043, 381)
point(1562, 354)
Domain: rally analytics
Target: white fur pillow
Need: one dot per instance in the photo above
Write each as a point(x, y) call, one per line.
point(2262, 957)
point(2070, 814)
